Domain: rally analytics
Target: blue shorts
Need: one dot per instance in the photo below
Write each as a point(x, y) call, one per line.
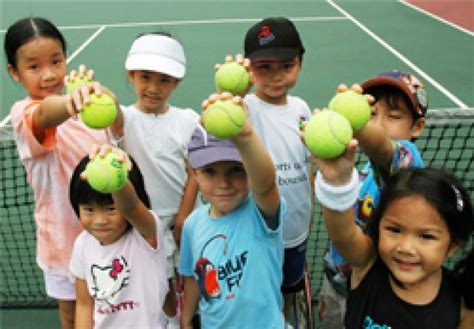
point(293, 268)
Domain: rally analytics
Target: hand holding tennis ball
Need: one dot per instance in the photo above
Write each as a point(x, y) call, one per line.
point(223, 117)
point(107, 174)
point(354, 106)
point(77, 78)
point(100, 112)
point(233, 76)
point(327, 134)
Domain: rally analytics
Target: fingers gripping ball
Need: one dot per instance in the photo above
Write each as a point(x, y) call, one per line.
point(232, 77)
point(100, 112)
point(327, 134)
point(107, 174)
point(71, 85)
point(353, 106)
point(224, 119)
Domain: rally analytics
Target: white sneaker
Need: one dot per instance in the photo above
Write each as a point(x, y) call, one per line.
point(288, 326)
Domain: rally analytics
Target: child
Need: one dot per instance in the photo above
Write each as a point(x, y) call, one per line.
point(232, 248)
point(275, 50)
point(50, 144)
point(397, 278)
point(119, 260)
point(397, 119)
point(156, 134)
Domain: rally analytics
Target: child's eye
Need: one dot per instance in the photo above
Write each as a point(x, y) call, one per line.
point(427, 236)
point(289, 66)
point(33, 67)
point(208, 171)
point(237, 171)
point(392, 229)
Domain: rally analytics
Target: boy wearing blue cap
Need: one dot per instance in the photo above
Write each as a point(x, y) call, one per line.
point(232, 248)
point(398, 118)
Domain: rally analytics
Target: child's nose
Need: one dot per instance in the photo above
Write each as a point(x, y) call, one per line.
point(48, 74)
point(405, 245)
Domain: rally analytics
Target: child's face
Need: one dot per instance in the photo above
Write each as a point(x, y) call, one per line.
point(397, 121)
point(224, 185)
point(41, 67)
point(104, 222)
point(274, 79)
point(152, 89)
point(414, 241)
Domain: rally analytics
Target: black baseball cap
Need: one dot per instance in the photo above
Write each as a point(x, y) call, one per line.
point(273, 37)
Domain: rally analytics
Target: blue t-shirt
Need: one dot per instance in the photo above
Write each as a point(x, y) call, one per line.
point(405, 155)
point(236, 260)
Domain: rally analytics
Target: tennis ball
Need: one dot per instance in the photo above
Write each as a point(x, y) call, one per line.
point(71, 85)
point(224, 119)
point(327, 134)
point(100, 112)
point(107, 174)
point(232, 77)
point(353, 106)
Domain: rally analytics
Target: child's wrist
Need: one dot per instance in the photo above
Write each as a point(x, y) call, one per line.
point(338, 198)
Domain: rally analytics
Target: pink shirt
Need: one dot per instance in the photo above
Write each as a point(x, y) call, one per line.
point(49, 167)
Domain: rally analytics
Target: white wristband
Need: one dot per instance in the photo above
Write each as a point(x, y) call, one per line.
point(339, 198)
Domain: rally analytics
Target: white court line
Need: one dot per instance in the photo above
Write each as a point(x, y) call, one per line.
point(195, 22)
point(70, 58)
point(424, 75)
point(460, 28)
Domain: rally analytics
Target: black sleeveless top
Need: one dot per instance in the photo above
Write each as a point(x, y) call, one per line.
point(373, 304)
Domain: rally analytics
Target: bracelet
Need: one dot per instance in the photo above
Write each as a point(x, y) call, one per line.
point(339, 198)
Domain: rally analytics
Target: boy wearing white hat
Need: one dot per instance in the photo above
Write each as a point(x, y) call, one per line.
point(156, 135)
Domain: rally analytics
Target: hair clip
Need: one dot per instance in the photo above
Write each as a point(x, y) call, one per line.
point(459, 200)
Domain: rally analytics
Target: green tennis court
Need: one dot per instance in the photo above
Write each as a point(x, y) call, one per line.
point(345, 41)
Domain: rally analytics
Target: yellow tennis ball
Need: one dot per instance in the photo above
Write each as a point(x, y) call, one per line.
point(232, 77)
point(100, 112)
point(71, 85)
point(327, 134)
point(107, 174)
point(354, 106)
point(224, 119)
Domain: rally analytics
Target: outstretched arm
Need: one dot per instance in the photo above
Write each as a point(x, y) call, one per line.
point(258, 166)
point(336, 188)
point(127, 201)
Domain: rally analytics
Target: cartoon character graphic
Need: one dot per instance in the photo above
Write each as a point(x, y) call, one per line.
point(265, 36)
point(207, 273)
point(109, 280)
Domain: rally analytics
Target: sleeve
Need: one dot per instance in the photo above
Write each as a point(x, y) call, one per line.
point(77, 264)
point(28, 145)
point(263, 225)
point(405, 155)
point(186, 255)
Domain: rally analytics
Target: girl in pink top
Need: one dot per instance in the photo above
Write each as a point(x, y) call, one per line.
point(50, 144)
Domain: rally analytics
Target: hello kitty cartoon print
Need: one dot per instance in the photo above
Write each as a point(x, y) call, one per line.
point(110, 279)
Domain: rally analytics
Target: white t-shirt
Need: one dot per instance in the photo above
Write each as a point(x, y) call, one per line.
point(127, 279)
point(159, 145)
point(278, 129)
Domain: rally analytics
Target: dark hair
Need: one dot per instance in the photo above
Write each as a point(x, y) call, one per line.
point(24, 30)
point(446, 194)
point(392, 96)
point(80, 192)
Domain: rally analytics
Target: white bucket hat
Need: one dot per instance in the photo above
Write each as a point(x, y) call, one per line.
point(157, 53)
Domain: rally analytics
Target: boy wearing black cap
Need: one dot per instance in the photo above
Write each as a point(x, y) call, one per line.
point(275, 50)
point(232, 248)
point(398, 118)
